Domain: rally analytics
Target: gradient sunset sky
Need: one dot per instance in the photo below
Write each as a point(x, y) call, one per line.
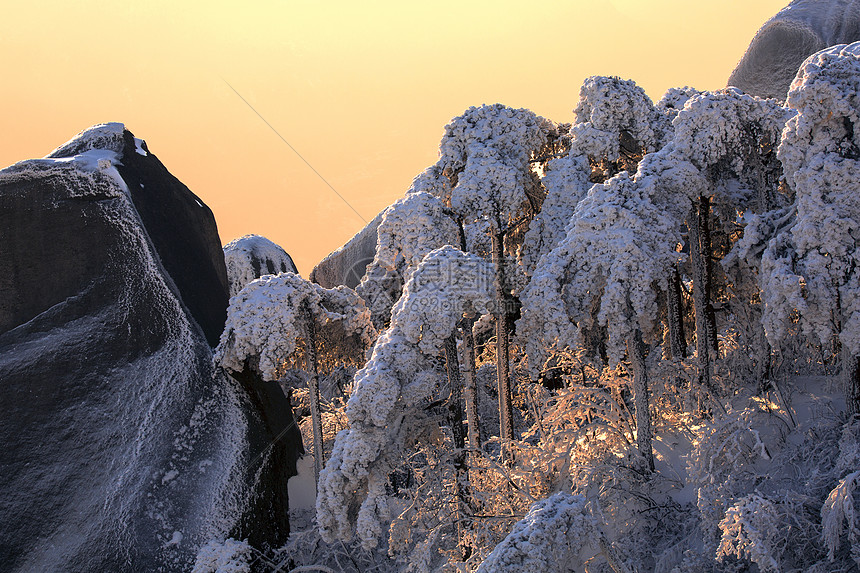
point(361, 89)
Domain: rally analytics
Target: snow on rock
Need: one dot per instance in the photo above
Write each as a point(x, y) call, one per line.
point(110, 400)
point(104, 137)
point(811, 266)
point(556, 536)
point(229, 556)
point(783, 42)
point(252, 256)
point(397, 379)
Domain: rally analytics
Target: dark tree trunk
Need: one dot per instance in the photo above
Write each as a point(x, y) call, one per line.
point(470, 386)
point(314, 392)
point(455, 417)
point(700, 299)
point(636, 350)
point(704, 228)
point(675, 316)
point(762, 367)
point(851, 377)
point(506, 423)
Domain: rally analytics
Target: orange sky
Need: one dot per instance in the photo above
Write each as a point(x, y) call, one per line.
point(361, 89)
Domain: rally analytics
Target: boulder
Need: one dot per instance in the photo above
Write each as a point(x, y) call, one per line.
point(253, 256)
point(124, 450)
point(786, 40)
point(348, 264)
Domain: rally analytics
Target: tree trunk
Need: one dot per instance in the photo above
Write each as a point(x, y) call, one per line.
point(765, 204)
point(762, 367)
point(636, 350)
point(675, 316)
point(700, 298)
point(455, 417)
point(704, 229)
point(851, 378)
point(470, 386)
point(506, 423)
point(314, 392)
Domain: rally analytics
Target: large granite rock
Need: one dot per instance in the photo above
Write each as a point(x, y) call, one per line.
point(123, 450)
point(253, 256)
point(348, 264)
point(786, 40)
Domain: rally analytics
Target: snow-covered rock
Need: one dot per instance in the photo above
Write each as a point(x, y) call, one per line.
point(253, 256)
point(784, 42)
point(123, 448)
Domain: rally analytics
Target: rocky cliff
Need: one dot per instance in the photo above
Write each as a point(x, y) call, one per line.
point(123, 448)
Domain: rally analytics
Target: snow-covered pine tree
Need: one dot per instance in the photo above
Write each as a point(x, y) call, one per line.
point(811, 267)
point(393, 387)
point(721, 155)
point(616, 124)
point(486, 153)
point(619, 247)
point(279, 321)
point(410, 228)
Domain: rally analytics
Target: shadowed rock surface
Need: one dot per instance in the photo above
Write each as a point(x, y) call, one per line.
point(786, 40)
point(123, 450)
point(348, 264)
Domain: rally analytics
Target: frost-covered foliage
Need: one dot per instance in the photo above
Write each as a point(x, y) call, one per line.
point(410, 228)
point(616, 126)
point(674, 100)
point(724, 466)
point(614, 117)
point(812, 266)
point(748, 529)
point(231, 556)
point(566, 182)
point(487, 151)
point(513, 133)
point(252, 256)
point(618, 245)
point(840, 509)
point(723, 133)
point(264, 321)
point(557, 535)
point(432, 181)
point(392, 386)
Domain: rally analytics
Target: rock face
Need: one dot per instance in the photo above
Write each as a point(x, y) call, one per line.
point(786, 40)
point(348, 264)
point(123, 450)
point(253, 256)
